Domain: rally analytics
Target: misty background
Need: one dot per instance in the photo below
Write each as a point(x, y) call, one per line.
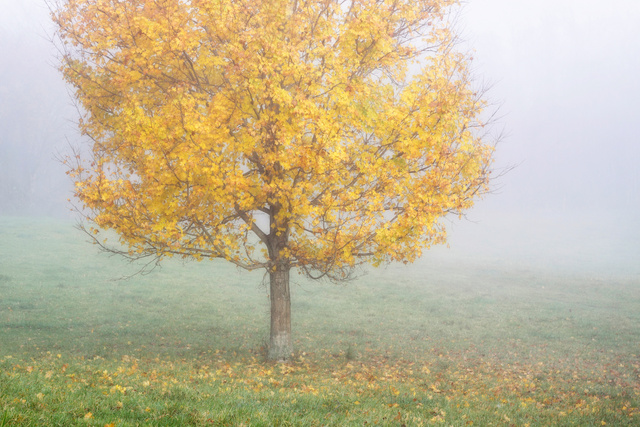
point(564, 72)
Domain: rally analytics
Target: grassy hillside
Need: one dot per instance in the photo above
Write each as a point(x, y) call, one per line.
point(452, 341)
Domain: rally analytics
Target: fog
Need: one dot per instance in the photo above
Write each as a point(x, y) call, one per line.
point(35, 114)
point(564, 74)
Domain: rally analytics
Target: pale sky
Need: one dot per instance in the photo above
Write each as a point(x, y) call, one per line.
point(566, 73)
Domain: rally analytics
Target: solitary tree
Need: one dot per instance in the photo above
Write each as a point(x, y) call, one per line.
point(314, 135)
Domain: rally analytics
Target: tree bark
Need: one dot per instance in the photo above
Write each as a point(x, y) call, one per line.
point(280, 345)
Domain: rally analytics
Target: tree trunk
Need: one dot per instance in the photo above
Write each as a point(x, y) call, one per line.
point(280, 345)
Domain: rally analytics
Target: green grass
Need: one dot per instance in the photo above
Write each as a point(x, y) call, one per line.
point(443, 342)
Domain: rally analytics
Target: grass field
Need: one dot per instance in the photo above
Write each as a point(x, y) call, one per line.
point(449, 341)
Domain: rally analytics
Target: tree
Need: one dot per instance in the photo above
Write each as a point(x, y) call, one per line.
point(314, 135)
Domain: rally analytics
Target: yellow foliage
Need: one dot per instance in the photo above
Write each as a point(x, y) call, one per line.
point(296, 124)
